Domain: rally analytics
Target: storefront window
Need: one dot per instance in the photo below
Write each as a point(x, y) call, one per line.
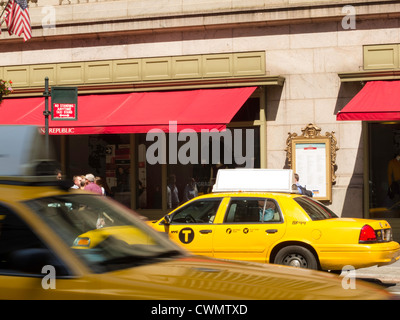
point(149, 177)
point(384, 170)
point(105, 156)
point(153, 177)
point(56, 145)
point(237, 147)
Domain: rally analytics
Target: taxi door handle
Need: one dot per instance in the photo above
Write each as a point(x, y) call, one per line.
point(271, 231)
point(205, 231)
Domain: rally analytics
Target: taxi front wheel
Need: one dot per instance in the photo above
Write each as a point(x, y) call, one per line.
point(296, 256)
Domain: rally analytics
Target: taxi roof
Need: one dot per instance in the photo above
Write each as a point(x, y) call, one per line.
point(254, 180)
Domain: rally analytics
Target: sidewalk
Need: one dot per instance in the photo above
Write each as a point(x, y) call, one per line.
point(386, 274)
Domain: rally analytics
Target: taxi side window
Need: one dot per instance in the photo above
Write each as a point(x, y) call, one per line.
point(19, 245)
point(249, 210)
point(198, 211)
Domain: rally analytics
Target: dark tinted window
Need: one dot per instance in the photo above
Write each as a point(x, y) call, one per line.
point(104, 235)
point(247, 210)
point(199, 211)
point(315, 210)
point(21, 251)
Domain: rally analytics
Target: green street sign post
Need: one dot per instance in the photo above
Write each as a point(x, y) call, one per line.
point(64, 105)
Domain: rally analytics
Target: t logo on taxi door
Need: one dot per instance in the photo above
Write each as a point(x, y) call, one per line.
point(186, 235)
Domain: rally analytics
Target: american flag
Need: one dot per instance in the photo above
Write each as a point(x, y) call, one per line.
point(17, 18)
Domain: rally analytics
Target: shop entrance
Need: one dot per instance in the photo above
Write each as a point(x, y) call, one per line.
point(384, 173)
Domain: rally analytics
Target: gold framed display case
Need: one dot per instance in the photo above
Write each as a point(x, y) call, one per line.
point(313, 157)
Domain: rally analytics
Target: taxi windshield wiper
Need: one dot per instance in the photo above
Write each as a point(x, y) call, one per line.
point(168, 254)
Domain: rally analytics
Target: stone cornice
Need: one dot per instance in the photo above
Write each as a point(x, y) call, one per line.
point(127, 18)
point(369, 75)
point(162, 85)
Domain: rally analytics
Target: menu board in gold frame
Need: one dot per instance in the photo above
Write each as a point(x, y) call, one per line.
point(313, 158)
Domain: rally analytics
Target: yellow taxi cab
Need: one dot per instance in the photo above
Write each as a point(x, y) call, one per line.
point(58, 243)
point(275, 227)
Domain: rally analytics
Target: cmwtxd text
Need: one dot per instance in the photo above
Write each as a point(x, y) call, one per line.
point(201, 309)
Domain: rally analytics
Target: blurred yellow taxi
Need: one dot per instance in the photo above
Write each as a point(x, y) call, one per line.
point(45, 229)
point(58, 243)
point(275, 227)
point(126, 234)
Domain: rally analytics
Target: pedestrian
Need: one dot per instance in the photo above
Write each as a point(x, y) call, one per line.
point(77, 182)
point(83, 182)
point(122, 180)
point(91, 184)
point(190, 191)
point(301, 189)
point(58, 174)
point(296, 182)
point(99, 182)
point(173, 195)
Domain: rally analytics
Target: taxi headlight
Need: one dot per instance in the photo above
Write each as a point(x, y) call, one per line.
point(82, 242)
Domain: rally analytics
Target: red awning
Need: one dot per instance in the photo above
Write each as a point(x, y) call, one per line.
point(136, 112)
point(377, 101)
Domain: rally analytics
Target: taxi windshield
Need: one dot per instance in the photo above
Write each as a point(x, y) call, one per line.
point(105, 235)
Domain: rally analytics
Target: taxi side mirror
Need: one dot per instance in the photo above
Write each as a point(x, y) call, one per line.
point(167, 219)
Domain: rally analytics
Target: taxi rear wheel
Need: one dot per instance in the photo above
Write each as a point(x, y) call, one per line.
point(296, 256)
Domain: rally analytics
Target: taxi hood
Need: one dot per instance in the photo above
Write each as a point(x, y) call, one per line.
point(195, 277)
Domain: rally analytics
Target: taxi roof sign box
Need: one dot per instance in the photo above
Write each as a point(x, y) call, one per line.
point(231, 180)
point(23, 154)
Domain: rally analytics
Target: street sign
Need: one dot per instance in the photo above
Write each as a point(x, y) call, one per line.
point(64, 111)
point(64, 103)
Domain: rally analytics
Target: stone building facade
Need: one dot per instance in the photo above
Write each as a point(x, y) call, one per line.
point(308, 59)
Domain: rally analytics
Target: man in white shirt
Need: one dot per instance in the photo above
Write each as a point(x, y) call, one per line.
point(77, 182)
